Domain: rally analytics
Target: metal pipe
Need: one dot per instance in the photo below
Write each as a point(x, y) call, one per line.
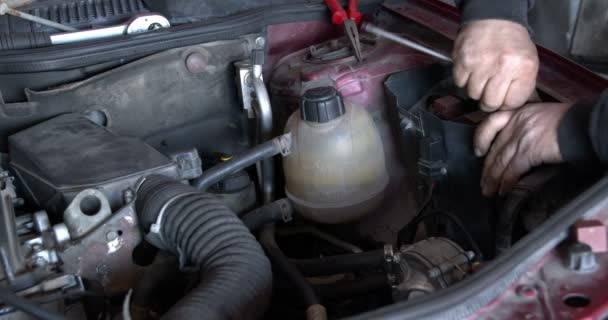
point(93, 34)
point(263, 111)
point(368, 27)
point(13, 261)
point(268, 149)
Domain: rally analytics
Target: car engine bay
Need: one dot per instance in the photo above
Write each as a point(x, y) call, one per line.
point(265, 175)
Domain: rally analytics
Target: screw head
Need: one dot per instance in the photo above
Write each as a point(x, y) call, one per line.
point(260, 42)
point(111, 236)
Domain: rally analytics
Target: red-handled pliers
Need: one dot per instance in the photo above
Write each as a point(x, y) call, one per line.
point(349, 20)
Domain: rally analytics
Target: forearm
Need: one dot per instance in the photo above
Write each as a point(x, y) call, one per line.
point(583, 134)
point(512, 10)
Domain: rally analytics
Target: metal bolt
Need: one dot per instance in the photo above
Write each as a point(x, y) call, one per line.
point(111, 236)
point(39, 262)
point(443, 171)
point(526, 291)
point(260, 42)
point(196, 62)
point(407, 124)
point(128, 196)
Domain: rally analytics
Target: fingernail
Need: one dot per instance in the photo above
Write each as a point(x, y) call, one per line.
point(478, 152)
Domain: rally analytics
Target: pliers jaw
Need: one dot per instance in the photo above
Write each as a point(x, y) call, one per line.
point(349, 20)
point(350, 27)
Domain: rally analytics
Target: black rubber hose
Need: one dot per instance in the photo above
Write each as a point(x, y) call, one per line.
point(28, 307)
point(236, 275)
point(277, 211)
point(343, 263)
point(239, 162)
point(350, 288)
point(24, 40)
point(280, 261)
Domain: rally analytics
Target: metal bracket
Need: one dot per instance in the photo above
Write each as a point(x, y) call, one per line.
point(243, 82)
point(88, 210)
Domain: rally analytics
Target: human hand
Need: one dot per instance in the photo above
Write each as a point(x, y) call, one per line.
point(515, 141)
point(497, 62)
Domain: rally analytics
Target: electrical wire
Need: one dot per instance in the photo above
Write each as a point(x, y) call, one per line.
point(408, 233)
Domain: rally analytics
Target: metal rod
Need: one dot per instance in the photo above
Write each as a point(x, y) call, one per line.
point(368, 27)
point(16, 3)
point(5, 9)
point(86, 35)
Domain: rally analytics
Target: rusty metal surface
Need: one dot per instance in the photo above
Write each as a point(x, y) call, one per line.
point(592, 233)
point(551, 291)
point(559, 77)
point(105, 254)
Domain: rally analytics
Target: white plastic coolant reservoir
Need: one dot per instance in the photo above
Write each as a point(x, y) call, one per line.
point(336, 171)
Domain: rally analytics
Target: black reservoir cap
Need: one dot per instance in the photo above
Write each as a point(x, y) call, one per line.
point(321, 105)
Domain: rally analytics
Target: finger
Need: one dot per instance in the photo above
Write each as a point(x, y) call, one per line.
point(461, 75)
point(497, 160)
point(476, 84)
point(496, 166)
point(488, 130)
point(495, 92)
point(519, 165)
point(518, 93)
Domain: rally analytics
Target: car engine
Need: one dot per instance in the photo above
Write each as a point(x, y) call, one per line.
point(250, 177)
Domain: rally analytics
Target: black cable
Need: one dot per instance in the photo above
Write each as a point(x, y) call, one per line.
point(407, 234)
point(10, 298)
point(465, 231)
point(456, 221)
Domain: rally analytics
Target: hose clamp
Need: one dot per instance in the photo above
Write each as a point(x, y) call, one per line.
point(284, 142)
point(155, 235)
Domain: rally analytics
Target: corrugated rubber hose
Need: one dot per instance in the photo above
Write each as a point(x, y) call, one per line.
point(236, 277)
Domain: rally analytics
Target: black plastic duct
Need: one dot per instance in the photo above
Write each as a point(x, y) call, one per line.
point(236, 277)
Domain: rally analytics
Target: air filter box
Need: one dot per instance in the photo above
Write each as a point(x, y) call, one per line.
point(57, 159)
